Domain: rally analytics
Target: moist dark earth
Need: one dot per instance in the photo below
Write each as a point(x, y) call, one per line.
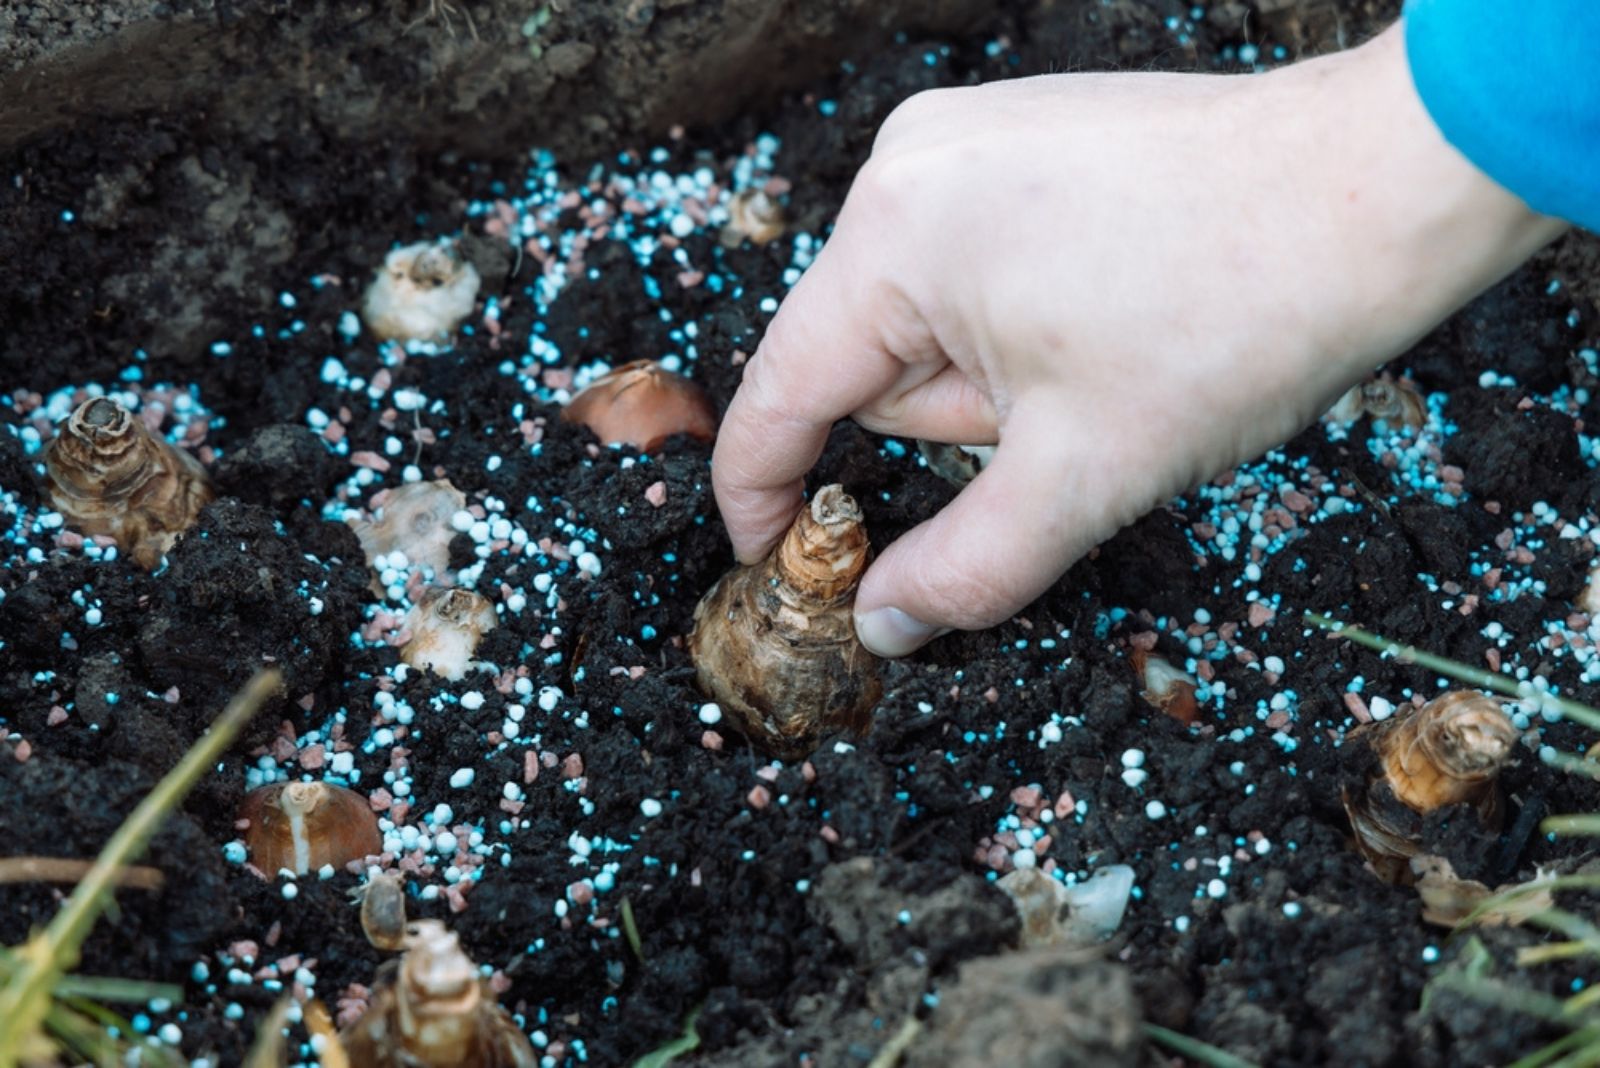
point(808, 927)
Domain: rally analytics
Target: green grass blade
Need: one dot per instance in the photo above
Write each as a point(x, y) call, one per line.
point(1539, 1058)
point(1194, 1049)
point(684, 1043)
point(112, 988)
point(1454, 669)
point(45, 958)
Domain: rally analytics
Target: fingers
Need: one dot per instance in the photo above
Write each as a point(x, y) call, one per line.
point(821, 359)
point(948, 407)
point(997, 546)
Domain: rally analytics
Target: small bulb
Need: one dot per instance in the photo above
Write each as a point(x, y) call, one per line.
point(109, 475)
point(415, 519)
point(1166, 687)
point(301, 826)
point(383, 910)
point(434, 1012)
point(1397, 403)
point(774, 644)
point(1448, 752)
point(1083, 914)
point(422, 292)
point(956, 464)
point(446, 626)
point(755, 215)
point(642, 404)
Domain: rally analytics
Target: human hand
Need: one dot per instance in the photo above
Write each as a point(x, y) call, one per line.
point(1129, 281)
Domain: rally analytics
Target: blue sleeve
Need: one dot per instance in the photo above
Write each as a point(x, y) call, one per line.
point(1515, 87)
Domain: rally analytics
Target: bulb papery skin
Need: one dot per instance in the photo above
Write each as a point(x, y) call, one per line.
point(108, 475)
point(433, 1011)
point(774, 644)
point(422, 292)
point(1449, 752)
point(446, 626)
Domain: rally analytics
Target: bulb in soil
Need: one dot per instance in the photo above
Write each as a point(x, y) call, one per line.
point(775, 645)
point(1083, 914)
point(383, 910)
point(446, 626)
point(302, 826)
point(435, 1013)
point(1397, 403)
point(1166, 687)
point(643, 404)
point(422, 292)
point(956, 464)
point(1588, 599)
point(109, 475)
point(413, 519)
point(1448, 752)
point(755, 216)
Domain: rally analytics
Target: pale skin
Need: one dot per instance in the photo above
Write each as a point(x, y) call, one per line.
point(1131, 282)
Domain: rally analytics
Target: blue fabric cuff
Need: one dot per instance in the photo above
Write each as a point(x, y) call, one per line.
point(1515, 87)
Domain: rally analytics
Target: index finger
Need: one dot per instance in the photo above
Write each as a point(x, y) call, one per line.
point(821, 359)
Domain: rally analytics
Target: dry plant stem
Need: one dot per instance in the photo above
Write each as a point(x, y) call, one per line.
point(46, 957)
point(775, 644)
point(69, 870)
point(109, 475)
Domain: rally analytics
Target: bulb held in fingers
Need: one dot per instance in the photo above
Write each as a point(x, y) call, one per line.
point(302, 826)
point(1448, 752)
point(775, 644)
point(643, 404)
point(107, 474)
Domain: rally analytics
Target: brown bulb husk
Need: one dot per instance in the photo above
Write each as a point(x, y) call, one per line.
point(1448, 752)
point(301, 826)
point(446, 626)
point(109, 475)
point(775, 644)
point(1166, 687)
point(643, 404)
point(435, 1012)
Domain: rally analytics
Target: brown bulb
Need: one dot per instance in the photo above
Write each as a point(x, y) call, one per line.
point(446, 626)
point(755, 215)
point(414, 519)
point(301, 826)
point(383, 910)
point(1165, 687)
point(107, 474)
point(642, 404)
point(1396, 403)
point(775, 644)
point(435, 1013)
point(1448, 752)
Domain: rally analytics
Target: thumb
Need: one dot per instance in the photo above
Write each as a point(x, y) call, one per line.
point(1009, 534)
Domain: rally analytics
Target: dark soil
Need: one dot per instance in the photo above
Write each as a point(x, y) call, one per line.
point(808, 910)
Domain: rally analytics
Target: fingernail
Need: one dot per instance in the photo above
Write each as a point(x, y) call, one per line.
point(889, 632)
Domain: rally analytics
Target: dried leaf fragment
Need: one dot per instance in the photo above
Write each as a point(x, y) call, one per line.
point(434, 1011)
point(1449, 900)
point(774, 644)
point(1449, 752)
point(109, 475)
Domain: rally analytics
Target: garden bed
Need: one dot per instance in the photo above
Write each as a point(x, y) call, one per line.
point(807, 910)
